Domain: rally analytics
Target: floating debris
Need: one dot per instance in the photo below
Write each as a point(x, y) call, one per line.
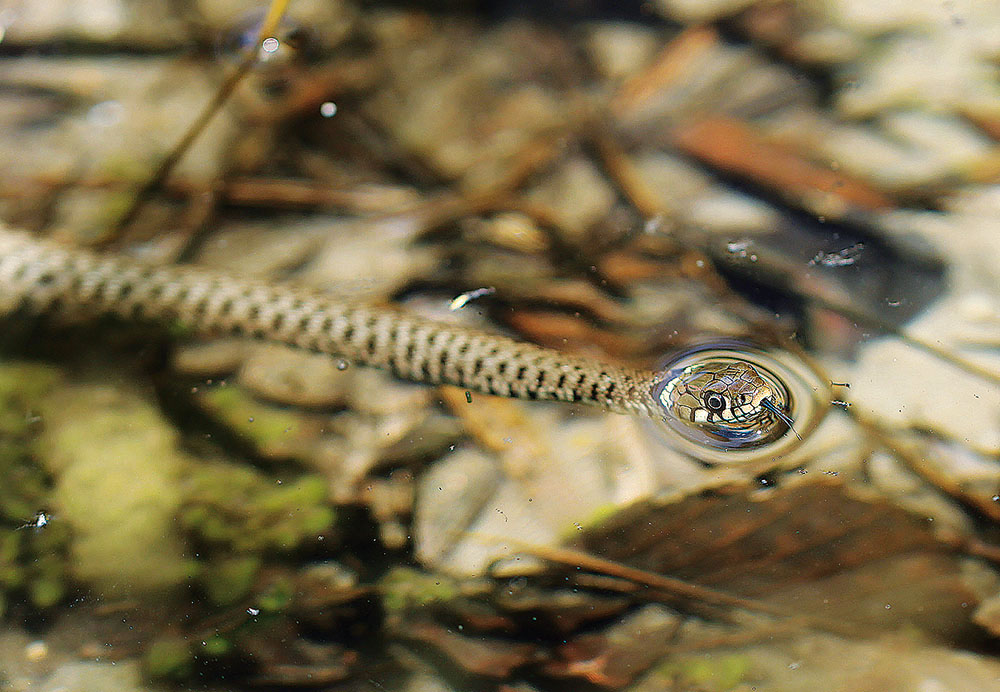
point(740, 248)
point(462, 300)
point(840, 258)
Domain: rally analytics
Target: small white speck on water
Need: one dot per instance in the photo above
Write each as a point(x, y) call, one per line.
point(653, 225)
point(839, 258)
point(342, 364)
point(250, 419)
point(270, 45)
point(328, 109)
point(39, 522)
point(253, 611)
point(462, 300)
point(739, 247)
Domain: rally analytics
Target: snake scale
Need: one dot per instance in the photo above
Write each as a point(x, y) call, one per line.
point(742, 401)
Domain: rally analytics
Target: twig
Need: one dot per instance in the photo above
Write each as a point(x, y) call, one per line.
point(274, 15)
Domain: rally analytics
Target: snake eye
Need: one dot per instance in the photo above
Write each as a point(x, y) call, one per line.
point(715, 402)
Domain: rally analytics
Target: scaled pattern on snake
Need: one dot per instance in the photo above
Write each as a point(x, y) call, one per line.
point(721, 402)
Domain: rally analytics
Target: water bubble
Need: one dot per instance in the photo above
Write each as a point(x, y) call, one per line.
point(328, 109)
point(342, 364)
point(739, 247)
point(242, 36)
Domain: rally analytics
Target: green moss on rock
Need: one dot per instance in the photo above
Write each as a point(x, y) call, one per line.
point(248, 511)
point(170, 656)
point(406, 589)
point(708, 673)
point(118, 472)
point(32, 559)
point(275, 433)
point(227, 580)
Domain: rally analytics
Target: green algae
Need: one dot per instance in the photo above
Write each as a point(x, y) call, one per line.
point(244, 511)
point(129, 513)
point(404, 589)
point(216, 646)
point(273, 431)
point(133, 500)
point(169, 657)
point(226, 580)
point(23, 387)
point(595, 519)
point(277, 595)
point(118, 471)
point(32, 551)
point(708, 673)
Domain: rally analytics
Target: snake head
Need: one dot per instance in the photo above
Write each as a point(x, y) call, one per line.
point(725, 402)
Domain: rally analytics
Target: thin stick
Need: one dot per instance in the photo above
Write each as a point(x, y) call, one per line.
point(274, 14)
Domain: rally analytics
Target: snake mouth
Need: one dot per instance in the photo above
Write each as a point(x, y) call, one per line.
point(768, 404)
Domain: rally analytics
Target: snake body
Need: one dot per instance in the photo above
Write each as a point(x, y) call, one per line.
point(40, 276)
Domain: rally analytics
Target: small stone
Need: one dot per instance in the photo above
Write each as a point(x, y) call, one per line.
point(36, 651)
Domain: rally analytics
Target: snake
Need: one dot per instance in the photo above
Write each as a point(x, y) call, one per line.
point(713, 400)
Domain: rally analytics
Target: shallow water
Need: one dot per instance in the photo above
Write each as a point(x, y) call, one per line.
point(209, 513)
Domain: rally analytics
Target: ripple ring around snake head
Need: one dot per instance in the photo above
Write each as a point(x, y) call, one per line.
point(734, 402)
